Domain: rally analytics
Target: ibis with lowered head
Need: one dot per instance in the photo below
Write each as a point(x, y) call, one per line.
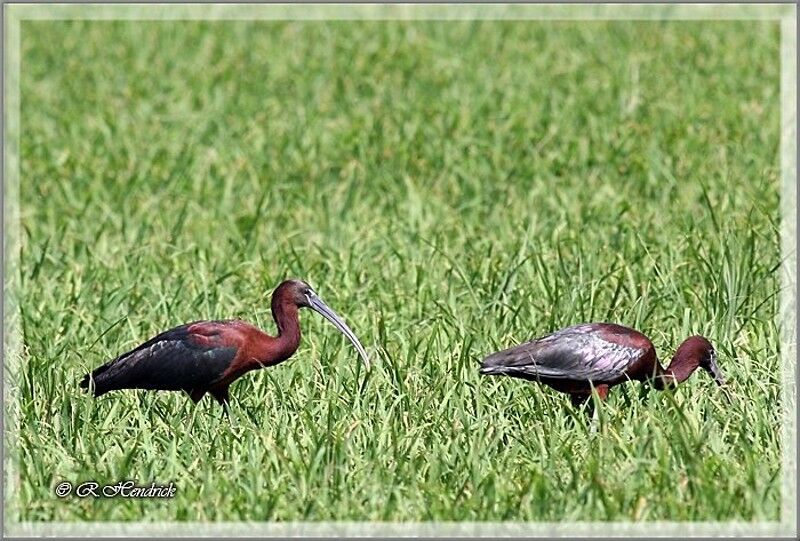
point(598, 356)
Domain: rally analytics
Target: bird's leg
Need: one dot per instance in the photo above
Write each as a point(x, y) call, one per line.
point(226, 409)
point(195, 395)
point(578, 399)
point(221, 396)
point(582, 402)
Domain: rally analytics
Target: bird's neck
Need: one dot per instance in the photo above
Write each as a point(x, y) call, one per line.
point(678, 371)
point(288, 322)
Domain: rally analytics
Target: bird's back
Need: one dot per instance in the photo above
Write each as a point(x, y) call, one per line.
point(184, 357)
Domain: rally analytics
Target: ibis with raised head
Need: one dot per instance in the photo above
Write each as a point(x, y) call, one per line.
point(207, 356)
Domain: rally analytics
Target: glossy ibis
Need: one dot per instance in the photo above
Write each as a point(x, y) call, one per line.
point(207, 356)
point(600, 355)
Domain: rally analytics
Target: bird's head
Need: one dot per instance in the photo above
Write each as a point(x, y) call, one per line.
point(700, 349)
point(303, 295)
point(295, 291)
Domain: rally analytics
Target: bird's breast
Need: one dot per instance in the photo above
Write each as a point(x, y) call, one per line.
point(256, 351)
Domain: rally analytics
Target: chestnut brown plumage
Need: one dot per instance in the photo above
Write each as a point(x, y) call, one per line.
point(577, 359)
point(207, 356)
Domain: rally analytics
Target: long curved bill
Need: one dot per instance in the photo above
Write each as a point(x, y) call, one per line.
point(716, 373)
point(316, 304)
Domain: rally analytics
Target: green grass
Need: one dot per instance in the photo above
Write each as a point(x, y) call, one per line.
point(451, 189)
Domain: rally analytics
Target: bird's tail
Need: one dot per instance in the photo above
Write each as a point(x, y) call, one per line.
point(99, 379)
point(495, 365)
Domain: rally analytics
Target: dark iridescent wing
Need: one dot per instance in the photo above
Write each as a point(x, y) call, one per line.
point(173, 360)
point(574, 353)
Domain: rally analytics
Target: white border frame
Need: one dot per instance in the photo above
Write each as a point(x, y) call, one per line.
point(785, 13)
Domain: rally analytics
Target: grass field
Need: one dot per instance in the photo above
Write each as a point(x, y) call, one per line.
point(450, 189)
